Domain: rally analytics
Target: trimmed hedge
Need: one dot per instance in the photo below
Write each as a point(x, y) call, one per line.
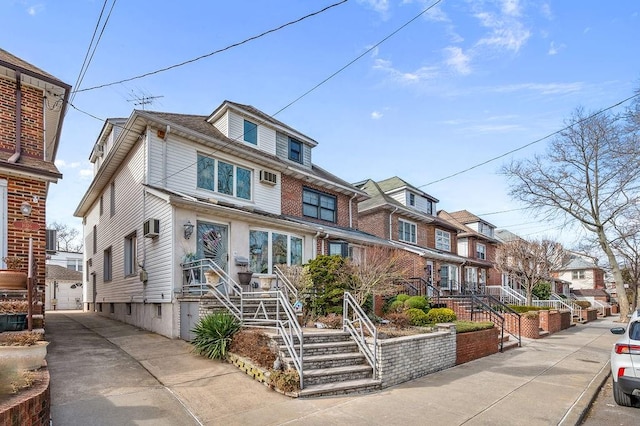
point(469, 326)
point(441, 315)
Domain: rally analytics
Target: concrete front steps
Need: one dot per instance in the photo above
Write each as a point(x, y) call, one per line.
point(332, 365)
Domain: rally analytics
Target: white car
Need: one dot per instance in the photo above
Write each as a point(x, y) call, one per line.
point(625, 363)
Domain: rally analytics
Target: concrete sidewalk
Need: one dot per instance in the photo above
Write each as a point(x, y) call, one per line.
point(104, 372)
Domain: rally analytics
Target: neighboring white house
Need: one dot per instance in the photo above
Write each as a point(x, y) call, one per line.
point(238, 175)
point(63, 288)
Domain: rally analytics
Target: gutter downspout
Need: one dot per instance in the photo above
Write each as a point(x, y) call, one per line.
point(355, 194)
point(16, 155)
point(390, 224)
point(326, 235)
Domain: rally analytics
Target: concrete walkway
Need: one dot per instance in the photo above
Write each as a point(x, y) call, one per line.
point(104, 372)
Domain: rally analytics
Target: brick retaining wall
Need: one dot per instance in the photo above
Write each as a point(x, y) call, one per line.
point(31, 407)
point(476, 344)
point(406, 358)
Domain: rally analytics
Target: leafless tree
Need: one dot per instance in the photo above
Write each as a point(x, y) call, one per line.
point(529, 262)
point(590, 174)
point(375, 273)
point(626, 244)
point(68, 238)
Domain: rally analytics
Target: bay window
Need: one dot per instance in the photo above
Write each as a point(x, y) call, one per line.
point(267, 249)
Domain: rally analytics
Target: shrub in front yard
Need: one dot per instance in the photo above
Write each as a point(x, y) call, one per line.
point(417, 317)
point(213, 334)
point(417, 302)
point(469, 326)
point(399, 320)
point(253, 344)
point(286, 381)
point(331, 321)
point(402, 297)
point(584, 304)
point(441, 315)
point(521, 308)
point(396, 306)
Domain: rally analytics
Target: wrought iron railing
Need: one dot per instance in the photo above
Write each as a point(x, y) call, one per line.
point(356, 322)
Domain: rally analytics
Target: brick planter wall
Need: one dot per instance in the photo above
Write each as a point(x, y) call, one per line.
point(550, 321)
point(406, 358)
point(589, 314)
point(476, 344)
point(530, 326)
point(31, 407)
point(565, 319)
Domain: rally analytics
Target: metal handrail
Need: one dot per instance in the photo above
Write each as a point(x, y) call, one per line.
point(576, 310)
point(512, 296)
point(285, 321)
point(601, 306)
point(353, 321)
point(290, 289)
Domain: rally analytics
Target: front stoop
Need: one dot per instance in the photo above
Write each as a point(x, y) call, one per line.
point(507, 344)
point(332, 365)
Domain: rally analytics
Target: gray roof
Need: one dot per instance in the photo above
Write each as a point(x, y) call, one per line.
point(57, 272)
point(578, 263)
point(10, 59)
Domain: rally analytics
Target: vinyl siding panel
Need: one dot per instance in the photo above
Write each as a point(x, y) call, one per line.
point(156, 163)
point(182, 175)
point(222, 124)
point(266, 135)
point(157, 253)
point(282, 149)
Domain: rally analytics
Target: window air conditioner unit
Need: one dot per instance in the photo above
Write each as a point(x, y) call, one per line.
point(151, 228)
point(268, 177)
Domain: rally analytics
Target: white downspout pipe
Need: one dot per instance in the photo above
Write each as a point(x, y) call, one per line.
point(355, 194)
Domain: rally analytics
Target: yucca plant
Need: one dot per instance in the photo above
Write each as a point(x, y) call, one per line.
point(213, 334)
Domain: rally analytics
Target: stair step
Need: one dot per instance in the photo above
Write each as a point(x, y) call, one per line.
point(337, 374)
point(311, 349)
point(340, 388)
point(330, 360)
point(509, 345)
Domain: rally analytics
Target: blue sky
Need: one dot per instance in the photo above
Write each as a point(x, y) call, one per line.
point(461, 84)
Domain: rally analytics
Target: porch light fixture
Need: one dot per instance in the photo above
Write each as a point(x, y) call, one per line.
point(25, 209)
point(188, 230)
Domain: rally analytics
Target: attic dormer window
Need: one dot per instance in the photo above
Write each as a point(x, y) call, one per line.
point(295, 150)
point(250, 132)
point(412, 199)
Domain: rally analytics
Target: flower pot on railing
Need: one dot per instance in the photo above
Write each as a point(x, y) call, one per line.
point(244, 277)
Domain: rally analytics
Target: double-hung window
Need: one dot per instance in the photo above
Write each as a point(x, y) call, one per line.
point(577, 275)
point(481, 251)
point(224, 178)
point(250, 132)
point(406, 231)
point(130, 250)
point(412, 199)
point(318, 205)
point(443, 240)
point(295, 150)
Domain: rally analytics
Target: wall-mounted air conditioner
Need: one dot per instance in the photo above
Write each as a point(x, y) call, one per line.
point(268, 177)
point(151, 228)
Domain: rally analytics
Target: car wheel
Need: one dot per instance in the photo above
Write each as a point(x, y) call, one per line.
point(620, 397)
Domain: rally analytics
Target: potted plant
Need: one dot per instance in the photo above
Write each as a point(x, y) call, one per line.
point(22, 350)
point(13, 315)
point(244, 276)
point(13, 278)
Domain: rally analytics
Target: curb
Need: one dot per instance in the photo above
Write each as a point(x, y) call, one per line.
point(580, 408)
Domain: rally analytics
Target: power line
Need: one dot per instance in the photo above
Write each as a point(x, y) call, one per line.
point(88, 58)
point(531, 143)
point(215, 51)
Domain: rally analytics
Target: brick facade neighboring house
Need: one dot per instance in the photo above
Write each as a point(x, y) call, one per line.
point(477, 244)
point(402, 213)
point(582, 272)
point(32, 107)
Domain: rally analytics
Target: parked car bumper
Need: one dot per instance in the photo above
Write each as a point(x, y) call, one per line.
point(629, 385)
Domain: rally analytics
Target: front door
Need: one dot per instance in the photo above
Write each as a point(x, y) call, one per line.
point(213, 243)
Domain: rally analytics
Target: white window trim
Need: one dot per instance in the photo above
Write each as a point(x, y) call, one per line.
point(130, 255)
point(216, 162)
point(483, 251)
point(270, 233)
point(413, 226)
point(440, 234)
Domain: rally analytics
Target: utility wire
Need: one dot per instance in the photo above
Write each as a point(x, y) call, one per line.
point(89, 57)
point(531, 143)
point(215, 51)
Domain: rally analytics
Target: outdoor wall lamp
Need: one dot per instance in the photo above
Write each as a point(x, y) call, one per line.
point(188, 230)
point(25, 209)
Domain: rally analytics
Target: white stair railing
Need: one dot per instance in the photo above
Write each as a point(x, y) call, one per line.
point(511, 297)
point(358, 324)
point(288, 287)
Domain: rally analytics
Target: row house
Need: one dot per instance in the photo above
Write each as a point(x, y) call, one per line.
point(477, 244)
point(167, 186)
point(406, 216)
point(32, 109)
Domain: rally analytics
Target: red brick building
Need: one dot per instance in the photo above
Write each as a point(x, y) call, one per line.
point(32, 108)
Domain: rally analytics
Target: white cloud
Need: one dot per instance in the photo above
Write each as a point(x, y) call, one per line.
point(35, 9)
point(544, 89)
point(417, 76)
point(86, 174)
point(457, 60)
point(554, 50)
point(436, 14)
point(61, 164)
point(376, 115)
point(545, 9)
point(380, 6)
point(511, 7)
point(507, 35)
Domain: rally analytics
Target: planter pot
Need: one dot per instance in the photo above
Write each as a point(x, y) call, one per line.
point(245, 277)
point(212, 277)
point(13, 322)
point(12, 280)
point(24, 357)
point(265, 282)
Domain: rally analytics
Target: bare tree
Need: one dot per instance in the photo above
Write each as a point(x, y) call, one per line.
point(529, 262)
point(626, 245)
point(68, 238)
point(374, 274)
point(589, 175)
